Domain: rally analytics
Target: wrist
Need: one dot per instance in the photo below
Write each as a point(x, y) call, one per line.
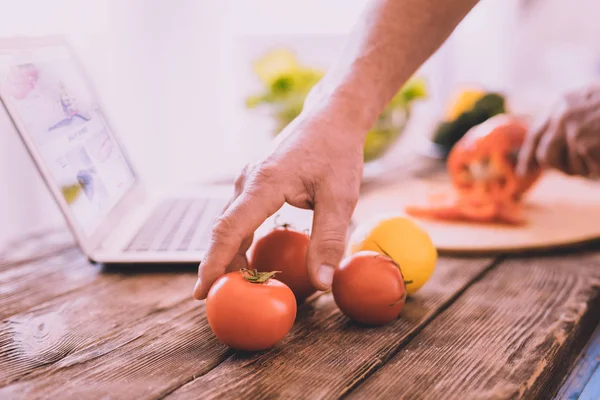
point(355, 106)
point(344, 105)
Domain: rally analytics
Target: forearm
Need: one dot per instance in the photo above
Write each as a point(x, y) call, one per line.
point(392, 40)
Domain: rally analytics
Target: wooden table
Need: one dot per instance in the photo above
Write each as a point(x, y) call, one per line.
point(482, 328)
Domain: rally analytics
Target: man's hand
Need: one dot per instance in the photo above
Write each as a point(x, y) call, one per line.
point(318, 160)
point(316, 164)
point(568, 138)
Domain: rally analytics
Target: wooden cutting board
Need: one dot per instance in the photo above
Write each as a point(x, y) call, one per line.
point(561, 211)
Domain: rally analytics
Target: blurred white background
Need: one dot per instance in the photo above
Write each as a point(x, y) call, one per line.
point(173, 75)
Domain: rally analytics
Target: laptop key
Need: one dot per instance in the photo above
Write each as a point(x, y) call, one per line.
point(204, 229)
point(187, 239)
point(180, 224)
point(143, 239)
point(188, 224)
point(169, 227)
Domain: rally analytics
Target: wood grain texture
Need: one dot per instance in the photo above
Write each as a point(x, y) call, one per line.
point(325, 354)
point(27, 285)
point(53, 332)
point(35, 247)
point(73, 331)
point(585, 367)
point(146, 359)
point(513, 334)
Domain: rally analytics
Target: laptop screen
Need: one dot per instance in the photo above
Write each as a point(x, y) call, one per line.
point(50, 97)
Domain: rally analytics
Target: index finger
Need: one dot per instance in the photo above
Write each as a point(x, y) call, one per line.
point(526, 160)
point(240, 220)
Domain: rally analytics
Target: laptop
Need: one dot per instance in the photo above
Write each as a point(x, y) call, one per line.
point(114, 216)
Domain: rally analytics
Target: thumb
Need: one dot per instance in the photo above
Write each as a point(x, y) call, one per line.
point(327, 242)
point(526, 159)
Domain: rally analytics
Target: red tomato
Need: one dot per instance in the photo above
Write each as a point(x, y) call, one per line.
point(368, 287)
point(250, 311)
point(284, 249)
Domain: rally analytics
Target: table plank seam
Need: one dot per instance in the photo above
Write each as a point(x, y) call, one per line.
point(417, 329)
point(50, 300)
point(126, 342)
point(168, 392)
point(35, 372)
point(469, 350)
point(385, 352)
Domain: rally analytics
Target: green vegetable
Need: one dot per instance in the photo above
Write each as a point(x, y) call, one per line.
point(449, 133)
point(286, 83)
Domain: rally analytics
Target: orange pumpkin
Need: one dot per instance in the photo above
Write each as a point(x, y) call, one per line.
point(482, 170)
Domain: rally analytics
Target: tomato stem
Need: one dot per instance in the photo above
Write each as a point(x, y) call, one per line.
point(284, 225)
point(254, 276)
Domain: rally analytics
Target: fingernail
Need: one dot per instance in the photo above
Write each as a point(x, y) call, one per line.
point(198, 283)
point(325, 274)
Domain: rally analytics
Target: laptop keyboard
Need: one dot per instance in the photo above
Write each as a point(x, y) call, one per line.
point(178, 225)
